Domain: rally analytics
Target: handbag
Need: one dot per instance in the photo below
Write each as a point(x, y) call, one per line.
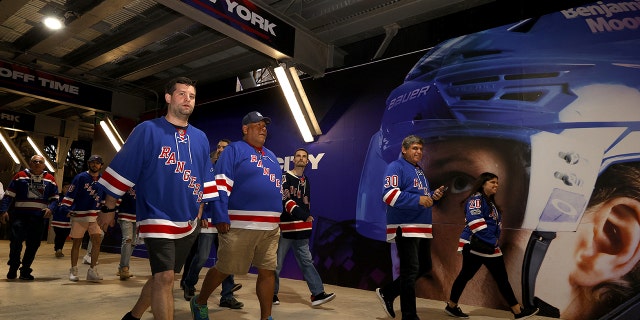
point(478, 245)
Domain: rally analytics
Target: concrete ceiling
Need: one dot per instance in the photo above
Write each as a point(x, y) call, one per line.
point(135, 46)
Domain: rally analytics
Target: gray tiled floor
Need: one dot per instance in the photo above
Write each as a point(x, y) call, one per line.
point(53, 296)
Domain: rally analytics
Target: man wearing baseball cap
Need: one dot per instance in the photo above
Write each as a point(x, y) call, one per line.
point(82, 203)
point(87, 257)
point(247, 218)
point(254, 117)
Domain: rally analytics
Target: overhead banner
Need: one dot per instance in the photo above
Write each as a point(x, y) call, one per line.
point(249, 19)
point(33, 82)
point(15, 120)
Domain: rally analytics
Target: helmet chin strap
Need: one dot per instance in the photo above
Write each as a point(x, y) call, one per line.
point(537, 246)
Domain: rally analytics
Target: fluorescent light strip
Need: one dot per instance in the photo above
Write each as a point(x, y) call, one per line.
point(6, 146)
point(292, 101)
point(113, 128)
point(303, 96)
point(110, 135)
point(35, 147)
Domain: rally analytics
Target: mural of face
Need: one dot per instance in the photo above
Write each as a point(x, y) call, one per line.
point(456, 163)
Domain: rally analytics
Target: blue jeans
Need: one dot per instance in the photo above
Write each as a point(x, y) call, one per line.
point(204, 243)
point(129, 238)
point(304, 260)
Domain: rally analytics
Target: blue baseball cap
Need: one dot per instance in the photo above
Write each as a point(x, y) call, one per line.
point(253, 117)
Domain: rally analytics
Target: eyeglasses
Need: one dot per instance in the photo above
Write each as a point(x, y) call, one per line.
point(37, 161)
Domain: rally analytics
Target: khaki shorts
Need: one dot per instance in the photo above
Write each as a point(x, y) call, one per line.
point(241, 248)
point(78, 228)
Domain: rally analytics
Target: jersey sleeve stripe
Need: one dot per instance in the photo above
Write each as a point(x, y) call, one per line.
point(114, 182)
point(391, 196)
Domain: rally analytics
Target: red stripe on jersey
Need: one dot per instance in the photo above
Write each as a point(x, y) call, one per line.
point(241, 217)
point(391, 196)
point(298, 225)
point(159, 228)
point(290, 205)
point(415, 230)
point(224, 184)
point(114, 182)
point(210, 189)
point(477, 224)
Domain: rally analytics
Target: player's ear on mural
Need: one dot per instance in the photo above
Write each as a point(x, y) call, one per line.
point(614, 247)
point(608, 249)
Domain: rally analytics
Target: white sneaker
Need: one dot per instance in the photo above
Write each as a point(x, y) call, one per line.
point(92, 275)
point(87, 260)
point(73, 274)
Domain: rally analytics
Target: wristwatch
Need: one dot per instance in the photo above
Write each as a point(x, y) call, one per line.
point(104, 209)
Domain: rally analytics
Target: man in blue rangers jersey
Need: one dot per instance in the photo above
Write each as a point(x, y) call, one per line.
point(409, 200)
point(167, 160)
point(33, 189)
point(247, 213)
point(82, 203)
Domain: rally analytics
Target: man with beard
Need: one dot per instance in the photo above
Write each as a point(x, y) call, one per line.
point(82, 203)
point(167, 159)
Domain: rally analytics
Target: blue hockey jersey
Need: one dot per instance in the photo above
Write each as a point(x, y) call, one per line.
point(484, 221)
point(32, 193)
point(249, 188)
point(83, 199)
point(403, 185)
point(171, 170)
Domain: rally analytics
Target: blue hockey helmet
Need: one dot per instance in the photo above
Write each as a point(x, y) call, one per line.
point(566, 85)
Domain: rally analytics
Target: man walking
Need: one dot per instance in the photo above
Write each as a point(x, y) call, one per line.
point(246, 215)
point(167, 159)
point(200, 253)
point(295, 226)
point(82, 203)
point(33, 189)
point(409, 199)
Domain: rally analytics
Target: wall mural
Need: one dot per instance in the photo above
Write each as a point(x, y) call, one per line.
point(550, 104)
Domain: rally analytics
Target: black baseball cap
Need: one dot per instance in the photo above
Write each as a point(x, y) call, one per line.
point(96, 158)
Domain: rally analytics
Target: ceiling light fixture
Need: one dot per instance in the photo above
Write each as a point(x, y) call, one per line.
point(57, 22)
point(112, 133)
point(53, 23)
point(35, 147)
point(8, 147)
point(298, 102)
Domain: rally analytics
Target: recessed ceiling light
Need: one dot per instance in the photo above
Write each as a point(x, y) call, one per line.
point(53, 23)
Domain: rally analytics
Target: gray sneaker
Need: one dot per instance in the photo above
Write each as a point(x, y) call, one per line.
point(73, 274)
point(231, 303)
point(92, 275)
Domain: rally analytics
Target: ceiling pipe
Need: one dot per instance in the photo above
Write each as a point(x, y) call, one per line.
point(391, 31)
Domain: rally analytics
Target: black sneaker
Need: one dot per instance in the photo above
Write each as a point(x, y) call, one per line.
point(526, 313)
point(386, 304)
point(322, 298)
point(236, 287)
point(189, 293)
point(456, 312)
point(26, 276)
point(231, 303)
point(12, 274)
point(276, 301)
